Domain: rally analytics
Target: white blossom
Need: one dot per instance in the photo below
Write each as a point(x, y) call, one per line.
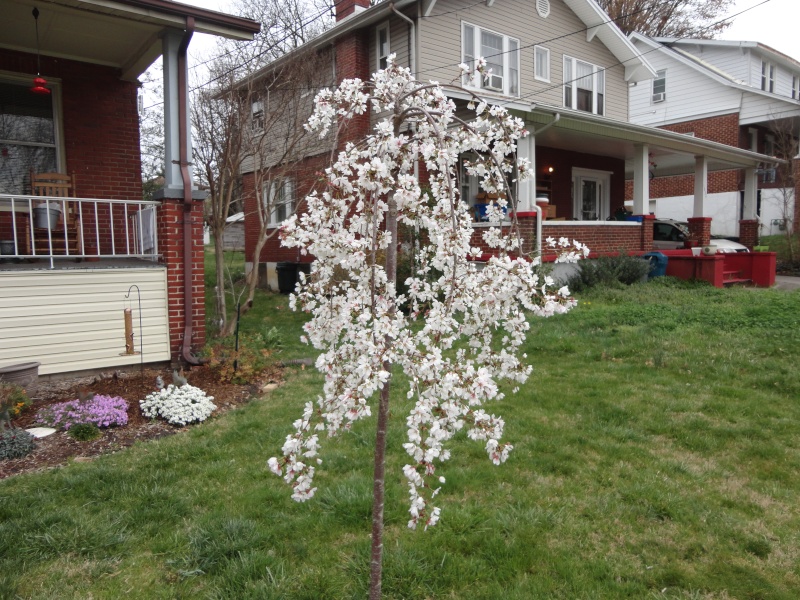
point(178, 405)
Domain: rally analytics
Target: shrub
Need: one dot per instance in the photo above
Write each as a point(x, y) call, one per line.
point(609, 271)
point(84, 432)
point(15, 443)
point(251, 358)
point(178, 405)
point(14, 398)
point(100, 411)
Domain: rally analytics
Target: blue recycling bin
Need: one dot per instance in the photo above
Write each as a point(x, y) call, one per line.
point(658, 264)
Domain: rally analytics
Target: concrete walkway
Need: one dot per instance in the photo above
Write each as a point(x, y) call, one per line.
point(785, 282)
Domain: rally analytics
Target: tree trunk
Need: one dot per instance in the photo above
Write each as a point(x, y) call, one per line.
point(219, 291)
point(379, 477)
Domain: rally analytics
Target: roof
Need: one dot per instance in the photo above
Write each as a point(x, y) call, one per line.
point(769, 51)
point(596, 20)
point(125, 34)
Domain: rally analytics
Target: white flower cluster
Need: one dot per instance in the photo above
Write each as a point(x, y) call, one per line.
point(472, 322)
point(178, 405)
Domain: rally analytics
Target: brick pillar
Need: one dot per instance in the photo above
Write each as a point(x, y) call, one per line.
point(170, 239)
point(646, 242)
point(748, 232)
point(527, 230)
point(699, 231)
point(352, 60)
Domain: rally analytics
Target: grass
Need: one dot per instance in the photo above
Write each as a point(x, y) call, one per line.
point(657, 455)
point(780, 244)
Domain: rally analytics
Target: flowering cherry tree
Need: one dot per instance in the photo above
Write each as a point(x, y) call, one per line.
point(473, 318)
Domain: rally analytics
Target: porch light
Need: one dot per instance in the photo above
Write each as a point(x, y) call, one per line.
point(549, 169)
point(39, 82)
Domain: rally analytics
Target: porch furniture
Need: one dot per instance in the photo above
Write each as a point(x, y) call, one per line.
point(65, 236)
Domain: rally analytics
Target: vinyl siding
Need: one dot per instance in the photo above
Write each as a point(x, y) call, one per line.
point(690, 94)
point(398, 42)
point(735, 62)
point(73, 319)
point(440, 46)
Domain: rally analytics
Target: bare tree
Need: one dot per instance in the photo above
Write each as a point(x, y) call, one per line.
point(669, 18)
point(151, 129)
point(787, 147)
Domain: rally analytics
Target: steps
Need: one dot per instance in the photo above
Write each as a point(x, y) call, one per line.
point(734, 278)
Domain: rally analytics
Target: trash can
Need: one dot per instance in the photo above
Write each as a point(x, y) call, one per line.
point(287, 276)
point(46, 218)
point(658, 264)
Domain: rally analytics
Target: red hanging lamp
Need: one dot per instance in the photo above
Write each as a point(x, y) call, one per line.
point(39, 82)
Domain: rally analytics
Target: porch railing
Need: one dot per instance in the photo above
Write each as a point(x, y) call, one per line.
point(47, 227)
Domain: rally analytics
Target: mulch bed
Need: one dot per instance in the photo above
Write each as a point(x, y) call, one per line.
point(59, 448)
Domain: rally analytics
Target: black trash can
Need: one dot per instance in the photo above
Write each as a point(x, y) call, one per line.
point(658, 264)
point(287, 276)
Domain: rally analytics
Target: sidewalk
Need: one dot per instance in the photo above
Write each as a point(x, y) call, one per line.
point(786, 282)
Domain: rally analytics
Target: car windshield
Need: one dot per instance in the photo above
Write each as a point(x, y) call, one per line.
point(684, 228)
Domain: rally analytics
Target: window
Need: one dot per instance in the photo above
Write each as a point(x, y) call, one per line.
point(769, 145)
point(257, 112)
point(591, 189)
point(796, 87)
point(502, 59)
point(541, 63)
point(279, 197)
point(660, 86)
point(382, 45)
point(767, 76)
point(584, 86)
point(29, 134)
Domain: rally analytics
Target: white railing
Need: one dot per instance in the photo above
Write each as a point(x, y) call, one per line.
point(47, 227)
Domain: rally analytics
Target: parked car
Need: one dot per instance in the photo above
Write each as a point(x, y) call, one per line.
point(669, 234)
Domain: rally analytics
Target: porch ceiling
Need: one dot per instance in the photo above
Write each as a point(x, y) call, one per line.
point(673, 153)
point(125, 34)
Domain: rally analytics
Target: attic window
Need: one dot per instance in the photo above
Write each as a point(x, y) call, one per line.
point(543, 8)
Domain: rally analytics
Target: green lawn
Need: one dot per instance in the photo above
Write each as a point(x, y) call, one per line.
point(657, 455)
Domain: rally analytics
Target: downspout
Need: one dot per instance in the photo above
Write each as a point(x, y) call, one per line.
point(538, 209)
point(183, 116)
point(412, 43)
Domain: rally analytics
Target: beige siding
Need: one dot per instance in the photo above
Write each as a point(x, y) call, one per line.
point(398, 42)
point(73, 319)
point(440, 46)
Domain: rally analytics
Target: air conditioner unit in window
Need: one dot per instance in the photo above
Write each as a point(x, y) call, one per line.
point(659, 97)
point(495, 82)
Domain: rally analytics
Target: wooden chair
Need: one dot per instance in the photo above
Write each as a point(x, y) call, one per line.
point(59, 185)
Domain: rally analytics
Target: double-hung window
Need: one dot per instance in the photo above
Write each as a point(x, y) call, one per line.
point(584, 86)
point(660, 86)
point(796, 88)
point(502, 59)
point(279, 200)
point(29, 134)
point(767, 76)
point(541, 63)
point(382, 45)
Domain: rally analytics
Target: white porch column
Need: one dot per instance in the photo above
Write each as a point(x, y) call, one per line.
point(171, 41)
point(700, 185)
point(750, 193)
point(641, 180)
point(526, 190)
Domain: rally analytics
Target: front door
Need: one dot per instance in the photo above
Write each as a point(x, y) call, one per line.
point(591, 194)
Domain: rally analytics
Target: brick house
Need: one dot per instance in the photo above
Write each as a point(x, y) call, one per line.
point(560, 65)
point(78, 250)
point(743, 94)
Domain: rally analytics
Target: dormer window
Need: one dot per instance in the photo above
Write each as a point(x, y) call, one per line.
point(660, 86)
point(767, 76)
point(502, 59)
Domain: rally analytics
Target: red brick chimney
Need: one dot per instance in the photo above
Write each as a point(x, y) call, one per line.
point(345, 8)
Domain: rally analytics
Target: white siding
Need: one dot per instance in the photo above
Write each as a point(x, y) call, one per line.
point(759, 108)
point(736, 62)
point(690, 94)
point(71, 320)
point(440, 46)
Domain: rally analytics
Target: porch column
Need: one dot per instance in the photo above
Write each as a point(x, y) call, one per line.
point(172, 170)
point(526, 190)
point(748, 226)
point(641, 180)
point(700, 185)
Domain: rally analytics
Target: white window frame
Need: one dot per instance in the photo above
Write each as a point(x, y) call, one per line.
point(537, 50)
point(508, 54)
point(258, 108)
point(661, 76)
point(767, 76)
point(284, 187)
point(571, 87)
point(795, 87)
point(54, 84)
point(603, 179)
point(382, 57)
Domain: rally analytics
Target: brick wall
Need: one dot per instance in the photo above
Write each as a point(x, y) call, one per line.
point(100, 124)
point(170, 238)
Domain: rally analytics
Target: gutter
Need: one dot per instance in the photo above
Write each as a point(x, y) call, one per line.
point(183, 116)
